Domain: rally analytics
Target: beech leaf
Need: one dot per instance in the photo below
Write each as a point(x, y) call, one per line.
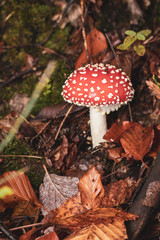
point(96, 44)
point(91, 189)
point(111, 231)
point(116, 130)
point(137, 141)
point(154, 87)
point(21, 187)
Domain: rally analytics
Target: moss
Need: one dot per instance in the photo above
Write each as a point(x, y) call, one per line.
point(36, 171)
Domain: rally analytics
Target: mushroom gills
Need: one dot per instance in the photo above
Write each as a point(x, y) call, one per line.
point(108, 109)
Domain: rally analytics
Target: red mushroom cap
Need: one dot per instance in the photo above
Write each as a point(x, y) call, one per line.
point(98, 85)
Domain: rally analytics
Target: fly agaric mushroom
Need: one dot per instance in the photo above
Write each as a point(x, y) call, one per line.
point(103, 88)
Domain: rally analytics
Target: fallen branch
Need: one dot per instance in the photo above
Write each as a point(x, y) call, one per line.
point(146, 202)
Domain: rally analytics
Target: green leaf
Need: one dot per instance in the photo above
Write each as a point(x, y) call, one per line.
point(140, 36)
point(121, 47)
point(130, 33)
point(145, 32)
point(140, 50)
point(129, 40)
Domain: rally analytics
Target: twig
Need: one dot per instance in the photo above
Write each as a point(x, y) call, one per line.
point(114, 53)
point(6, 232)
point(21, 74)
point(67, 113)
point(83, 30)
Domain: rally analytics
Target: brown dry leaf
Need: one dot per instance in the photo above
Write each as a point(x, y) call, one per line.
point(91, 189)
point(96, 44)
point(24, 209)
point(27, 235)
point(49, 236)
point(118, 193)
point(69, 208)
point(111, 231)
point(7, 123)
point(116, 131)
point(155, 149)
point(21, 187)
point(61, 153)
point(154, 87)
point(137, 141)
point(115, 154)
point(97, 215)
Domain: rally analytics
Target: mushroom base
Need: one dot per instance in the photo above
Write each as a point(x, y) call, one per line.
point(98, 125)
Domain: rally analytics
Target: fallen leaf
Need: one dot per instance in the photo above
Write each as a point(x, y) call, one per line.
point(115, 154)
point(97, 215)
point(118, 193)
point(137, 141)
point(69, 208)
point(27, 235)
point(56, 189)
point(21, 187)
point(116, 131)
point(49, 236)
point(96, 44)
point(60, 153)
point(111, 231)
point(7, 123)
point(154, 87)
point(91, 189)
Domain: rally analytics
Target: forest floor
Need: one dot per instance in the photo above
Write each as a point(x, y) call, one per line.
point(41, 44)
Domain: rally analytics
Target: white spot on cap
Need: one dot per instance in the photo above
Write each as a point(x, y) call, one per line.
point(102, 92)
point(92, 89)
point(117, 77)
point(93, 82)
point(104, 81)
point(110, 86)
point(112, 71)
point(111, 76)
point(85, 89)
point(104, 72)
point(121, 82)
point(80, 84)
point(110, 95)
point(96, 98)
point(78, 89)
point(73, 92)
point(82, 72)
point(116, 91)
point(98, 88)
point(74, 82)
point(94, 75)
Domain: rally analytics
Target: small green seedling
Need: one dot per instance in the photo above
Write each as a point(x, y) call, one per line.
point(134, 40)
point(156, 82)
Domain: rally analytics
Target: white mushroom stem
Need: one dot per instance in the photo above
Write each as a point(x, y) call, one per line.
point(98, 125)
point(98, 122)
